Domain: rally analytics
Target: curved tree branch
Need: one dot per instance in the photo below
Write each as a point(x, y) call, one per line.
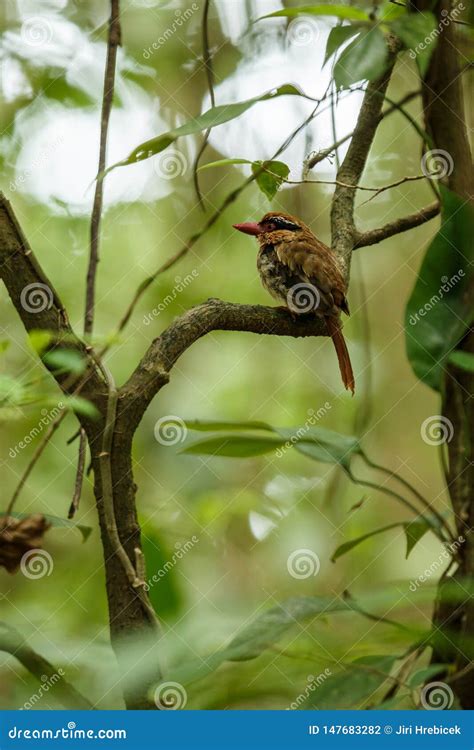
point(153, 371)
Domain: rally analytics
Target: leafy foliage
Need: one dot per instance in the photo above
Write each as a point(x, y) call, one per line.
point(439, 309)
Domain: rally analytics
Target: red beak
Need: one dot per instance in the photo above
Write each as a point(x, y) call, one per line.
point(250, 227)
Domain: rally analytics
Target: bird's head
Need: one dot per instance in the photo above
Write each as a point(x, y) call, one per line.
point(273, 227)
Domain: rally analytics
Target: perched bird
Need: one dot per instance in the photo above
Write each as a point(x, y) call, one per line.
point(300, 270)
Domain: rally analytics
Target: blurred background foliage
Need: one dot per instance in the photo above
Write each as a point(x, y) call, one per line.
point(249, 515)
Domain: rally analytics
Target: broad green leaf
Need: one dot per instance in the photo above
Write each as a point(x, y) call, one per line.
point(270, 179)
point(413, 29)
point(65, 360)
point(337, 36)
point(463, 360)
point(340, 11)
point(58, 522)
point(210, 119)
point(347, 546)
point(354, 686)
point(234, 446)
point(389, 12)
point(439, 309)
point(363, 59)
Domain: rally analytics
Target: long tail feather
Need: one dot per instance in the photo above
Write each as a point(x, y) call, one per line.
point(345, 366)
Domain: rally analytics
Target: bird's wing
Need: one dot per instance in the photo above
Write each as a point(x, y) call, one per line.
point(316, 264)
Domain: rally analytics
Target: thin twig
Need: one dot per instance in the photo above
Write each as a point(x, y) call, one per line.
point(405, 483)
point(324, 153)
point(373, 236)
point(34, 459)
point(81, 462)
point(207, 59)
point(114, 40)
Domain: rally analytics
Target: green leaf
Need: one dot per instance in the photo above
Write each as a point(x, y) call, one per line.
point(203, 425)
point(340, 11)
point(270, 179)
point(4, 344)
point(65, 360)
point(439, 309)
point(347, 546)
point(337, 36)
point(81, 406)
point(161, 574)
point(354, 686)
point(58, 522)
point(234, 446)
point(415, 530)
point(39, 340)
point(261, 634)
point(12, 392)
point(364, 59)
point(210, 119)
point(424, 675)
point(463, 360)
point(413, 29)
point(316, 442)
point(324, 445)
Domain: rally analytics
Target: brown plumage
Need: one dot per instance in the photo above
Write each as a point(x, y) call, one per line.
point(300, 270)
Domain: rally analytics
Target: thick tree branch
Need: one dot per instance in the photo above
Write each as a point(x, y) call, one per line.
point(343, 229)
point(213, 315)
point(397, 226)
point(13, 643)
point(39, 306)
